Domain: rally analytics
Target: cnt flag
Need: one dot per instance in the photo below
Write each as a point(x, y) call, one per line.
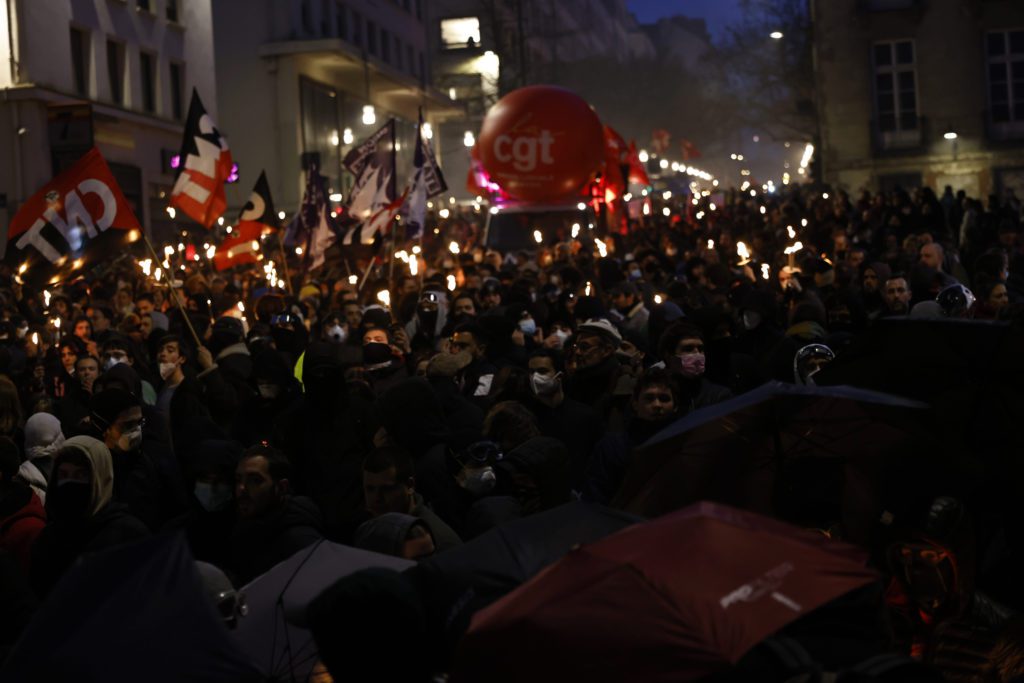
point(206, 165)
point(374, 191)
point(65, 226)
point(427, 181)
point(313, 227)
point(257, 217)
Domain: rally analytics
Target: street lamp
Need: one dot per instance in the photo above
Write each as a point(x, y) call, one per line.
point(950, 135)
point(369, 115)
point(775, 35)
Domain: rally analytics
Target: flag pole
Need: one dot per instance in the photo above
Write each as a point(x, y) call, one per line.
point(174, 294)
point(284, 261)
point(394, 194)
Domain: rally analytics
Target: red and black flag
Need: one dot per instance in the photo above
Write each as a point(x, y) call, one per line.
point(79, 218)
point(205, 167)
point(257, 218)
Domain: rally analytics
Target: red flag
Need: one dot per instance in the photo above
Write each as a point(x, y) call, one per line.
point(660, 139)
point(70, 214)
point(637, 172)
point(238, 249)
point(206, 161)
point(690, 150)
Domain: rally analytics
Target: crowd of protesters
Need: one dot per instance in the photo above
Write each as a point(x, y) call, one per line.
point(486, 388)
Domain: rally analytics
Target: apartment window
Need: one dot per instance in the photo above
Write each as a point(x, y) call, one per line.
point(172, 10)
point(143, 5)
point(115, 70)
point(385, 46)
point(147, 67)
point(460, 32)
point(357, 28)
point(371, 37)
point(307, 17)
point(1006, 75)
point(895, 86)
point(177, 94)
point(80, 60)
point(341, 21)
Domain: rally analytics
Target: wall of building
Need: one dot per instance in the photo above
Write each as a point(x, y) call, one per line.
point(125, 133)
point(952, 93)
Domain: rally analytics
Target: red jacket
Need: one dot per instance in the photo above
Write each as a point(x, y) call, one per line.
point(18, 531)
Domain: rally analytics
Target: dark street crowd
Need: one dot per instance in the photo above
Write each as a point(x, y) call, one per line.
point(408, 414)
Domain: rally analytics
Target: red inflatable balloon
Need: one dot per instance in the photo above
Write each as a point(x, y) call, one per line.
point(541, 143)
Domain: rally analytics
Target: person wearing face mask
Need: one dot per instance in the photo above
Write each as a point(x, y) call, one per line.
point(681, 349)
point(184, 397)
point(210, 516)
point(630, 311)
point(118, 350)
point(655, 405)
point(276, 388)
point(231, 355)
point(116, 418)
point(429, 321)
point(383, 360)
point(759, 331)
point(573, 423)
point(81, 515)
point(335, 329)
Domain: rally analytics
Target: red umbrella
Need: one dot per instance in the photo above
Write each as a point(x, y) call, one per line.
point(673, 599)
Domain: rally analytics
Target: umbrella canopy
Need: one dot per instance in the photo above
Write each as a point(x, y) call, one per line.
point(733, 451)
point(273, 633)
point(673, 599)
point(455, 583)
point(137, 612)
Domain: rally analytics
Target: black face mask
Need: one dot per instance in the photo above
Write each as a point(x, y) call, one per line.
point(376, 353)
point(323, 385)
point(428, 321)
point(69, 501)
point(463, 318)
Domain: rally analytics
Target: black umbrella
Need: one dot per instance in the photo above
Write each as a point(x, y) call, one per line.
point(734, 452)
point(137, 612)
point(456, 583)
point(274, 633)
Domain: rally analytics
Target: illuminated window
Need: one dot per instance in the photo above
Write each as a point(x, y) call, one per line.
point(461, 32)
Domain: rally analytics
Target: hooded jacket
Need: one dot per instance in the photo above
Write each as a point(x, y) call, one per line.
point(105, 525)
point(22, 519)
point(387, 533)
point(259, 543)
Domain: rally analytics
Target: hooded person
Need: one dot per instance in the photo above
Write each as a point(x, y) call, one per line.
point(276, 389)
point(272, 523)
point(43, 438)
point(425, 329)
point(82, 516)
point(22, 517)
point(872, 285)
point(396, 534)
point(682, 351)
point(116, 418)
point(210, 477)
point(227, 344)
point(325, 435)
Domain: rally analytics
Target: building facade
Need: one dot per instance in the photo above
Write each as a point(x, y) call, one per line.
point(115, 74)
point(303, 81)
point(921, 92)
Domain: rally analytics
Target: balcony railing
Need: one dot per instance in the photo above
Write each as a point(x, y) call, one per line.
point(898, 141)
point(1003, 131)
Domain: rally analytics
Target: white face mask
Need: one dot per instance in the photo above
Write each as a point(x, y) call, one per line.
point(336, 334)
point(167, 369)
point(562, 336)
point(269, 390)
point(544, 385)
point(130, 441)
point(21, 332)
point(528, 327)
point(480, 481)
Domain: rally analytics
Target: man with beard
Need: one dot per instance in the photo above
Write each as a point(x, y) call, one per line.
point(873, 280)
point(655, 404)
point(897, 296)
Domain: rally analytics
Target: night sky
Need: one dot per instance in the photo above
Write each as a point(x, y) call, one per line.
point(718, 13)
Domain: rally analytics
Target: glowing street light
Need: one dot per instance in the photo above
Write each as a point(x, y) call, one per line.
point(775, 35)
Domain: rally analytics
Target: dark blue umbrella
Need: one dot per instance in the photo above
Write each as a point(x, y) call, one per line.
point(731, 452)
point(137, 612)
point(274, 632)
